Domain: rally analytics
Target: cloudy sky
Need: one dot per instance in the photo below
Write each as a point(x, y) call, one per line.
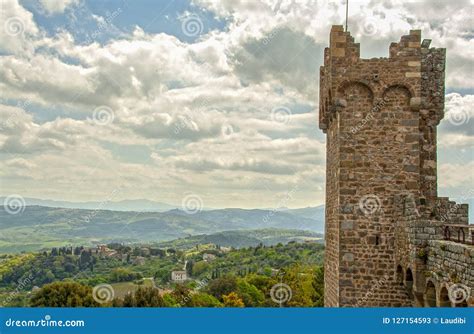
point(218, 99)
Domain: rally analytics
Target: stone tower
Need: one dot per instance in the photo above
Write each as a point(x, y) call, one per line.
point(380, 116)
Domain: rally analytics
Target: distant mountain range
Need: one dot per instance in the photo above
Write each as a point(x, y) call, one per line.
point(125, 205)
point(147, 206)
point(48, 223)
point(38, 227)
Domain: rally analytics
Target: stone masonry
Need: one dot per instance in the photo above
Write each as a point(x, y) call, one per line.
point(388, 239)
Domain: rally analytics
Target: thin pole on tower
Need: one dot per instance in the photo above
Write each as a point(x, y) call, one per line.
point(347, 12)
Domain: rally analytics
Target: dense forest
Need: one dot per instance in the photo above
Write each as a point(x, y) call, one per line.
point(279, 275)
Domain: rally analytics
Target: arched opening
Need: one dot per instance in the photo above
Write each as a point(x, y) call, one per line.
point(430, 295)
point(401, 91)
point(409, 283)
point(444, 298)
point(399, 277)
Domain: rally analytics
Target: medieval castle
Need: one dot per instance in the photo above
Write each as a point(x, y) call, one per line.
point(390, 240)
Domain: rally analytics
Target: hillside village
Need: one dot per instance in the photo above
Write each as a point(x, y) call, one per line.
point(125, 269)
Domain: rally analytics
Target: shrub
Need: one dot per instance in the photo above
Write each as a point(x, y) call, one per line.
point(232, 300)
point(64, 294)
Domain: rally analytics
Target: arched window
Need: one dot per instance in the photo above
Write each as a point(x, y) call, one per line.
point(430, 295)
point(444, 298)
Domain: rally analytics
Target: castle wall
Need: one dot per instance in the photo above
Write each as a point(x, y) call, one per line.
point(367, 110)
point(450, 263)
point(332, 253)
point(380, 116)
point(421, 248)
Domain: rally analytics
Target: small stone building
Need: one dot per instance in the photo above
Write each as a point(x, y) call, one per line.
point(390, 240)
point(179, 276)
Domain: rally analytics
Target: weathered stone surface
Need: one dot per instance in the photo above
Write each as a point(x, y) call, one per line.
point(384, 222)
point(347, 225)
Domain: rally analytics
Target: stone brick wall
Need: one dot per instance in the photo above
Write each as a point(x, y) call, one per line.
point(331, 227)
point(421, 248)
point(382, 210)
point(448, 264)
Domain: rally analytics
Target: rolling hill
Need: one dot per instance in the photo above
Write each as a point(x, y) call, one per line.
point(244, 238)
point(38, 227)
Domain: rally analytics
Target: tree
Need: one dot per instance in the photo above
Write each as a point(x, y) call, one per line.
point(124, 275)
point(201, 299)
point(232, 300)
point(182, 295)
point(64, 294)
point(77, 251)
point(300, 280)
point(249, 294)
point(199, 268)
point(84, 259)
point(169, 301)
point(143, 297)
point(48, 274)
point(157, 252)
point(222, 286)
point(163, 275)
point(69, 267)
point(189, 267)
point(318, 287)
point(262, 282)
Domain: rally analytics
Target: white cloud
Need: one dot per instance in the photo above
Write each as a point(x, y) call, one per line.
point(459, 114)
point(53, 7)
point(452, 175)
point(17, 28)
point(200, 114)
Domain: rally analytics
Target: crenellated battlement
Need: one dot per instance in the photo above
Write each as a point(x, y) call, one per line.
point(411, 64)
